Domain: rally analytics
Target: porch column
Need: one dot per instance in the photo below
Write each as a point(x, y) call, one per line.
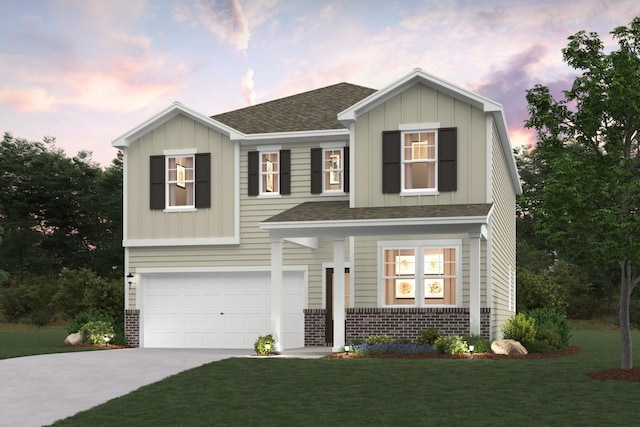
point(339, 333)
point(474, 283)
point(276, 292)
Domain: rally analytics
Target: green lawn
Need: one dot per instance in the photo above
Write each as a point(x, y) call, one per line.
point(356, 392)
point(18, 340)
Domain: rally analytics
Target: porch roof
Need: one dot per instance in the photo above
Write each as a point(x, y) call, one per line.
point(336, 218)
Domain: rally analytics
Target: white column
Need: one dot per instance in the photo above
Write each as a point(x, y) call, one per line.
point(276, 292)
point(474, 283)
point(339, 333)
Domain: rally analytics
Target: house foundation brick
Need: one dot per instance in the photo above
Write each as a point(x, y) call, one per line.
point(315, 327)
point(132, 327)
point(397, 322)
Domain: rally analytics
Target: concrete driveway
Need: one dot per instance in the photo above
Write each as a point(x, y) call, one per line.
point(39, 390)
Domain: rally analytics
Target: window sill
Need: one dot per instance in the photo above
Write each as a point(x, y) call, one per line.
point(269, 196)
point(333, 193)
point(180, 209)
point(406, 193)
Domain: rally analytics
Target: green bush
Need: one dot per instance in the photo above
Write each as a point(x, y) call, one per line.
point(19, 300)
point(95, 332)
point(261, 347)
point(78, 322)
point(481, 344)
point(551, 328)
point(41, 317)
point(451, 345)
point(520, 328)
point(378, 339)
point(428, 336)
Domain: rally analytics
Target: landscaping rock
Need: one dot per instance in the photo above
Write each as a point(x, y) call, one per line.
point(508, 347)
point(74, 339)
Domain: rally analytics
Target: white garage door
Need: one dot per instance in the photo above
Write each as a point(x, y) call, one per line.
point(218, 310)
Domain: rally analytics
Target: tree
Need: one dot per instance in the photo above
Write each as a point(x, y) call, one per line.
point(588, 147)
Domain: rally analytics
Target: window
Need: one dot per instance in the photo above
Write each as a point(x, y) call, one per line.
point(180, 181)
point(419, 161)
point(269, 173)
point(329, 170)
point(419, 276)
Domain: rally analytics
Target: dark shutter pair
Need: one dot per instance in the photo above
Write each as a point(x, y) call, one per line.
point(253, 185)
point(447, 160)
point(317, 170)
point(202, 181)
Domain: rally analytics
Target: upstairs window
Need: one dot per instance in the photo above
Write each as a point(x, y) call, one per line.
point(180, 181)
point(419, 161)
point(419, 165)
point(269, 173)
point(329, 170)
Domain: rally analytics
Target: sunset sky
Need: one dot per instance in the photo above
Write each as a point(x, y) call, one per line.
point(87, 71)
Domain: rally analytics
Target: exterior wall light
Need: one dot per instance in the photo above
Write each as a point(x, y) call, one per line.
point(130, 279)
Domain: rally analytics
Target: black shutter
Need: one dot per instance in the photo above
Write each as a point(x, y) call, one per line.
point(447, 159)
point(156, 182)
point(345, 168)
point(391, 147)
point(203, 180)
point(253, 184)
point(285, 172)
point(316, 170)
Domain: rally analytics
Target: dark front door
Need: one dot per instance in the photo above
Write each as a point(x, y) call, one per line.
point(329, 302)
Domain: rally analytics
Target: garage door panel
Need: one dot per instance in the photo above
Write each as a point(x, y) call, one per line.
point(213, 310)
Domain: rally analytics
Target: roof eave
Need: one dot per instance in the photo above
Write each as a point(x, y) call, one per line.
point(324, 135)
point(167, 114)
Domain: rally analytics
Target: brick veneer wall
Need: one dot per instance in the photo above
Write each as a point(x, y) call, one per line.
point(314, 327)
point(132, 327)
point(397, 322)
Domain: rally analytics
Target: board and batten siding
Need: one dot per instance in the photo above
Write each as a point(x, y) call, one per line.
point(503, 238)
point(181, 132)
point(420, 104)
point(254, 249)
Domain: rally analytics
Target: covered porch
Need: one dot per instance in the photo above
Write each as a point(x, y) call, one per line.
point(305, 223)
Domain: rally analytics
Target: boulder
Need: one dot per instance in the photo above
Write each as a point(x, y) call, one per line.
point(508, 347)
point(74, 339)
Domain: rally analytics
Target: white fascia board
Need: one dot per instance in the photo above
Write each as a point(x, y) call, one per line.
point(214, 241)
point(414, 77)
point(167, 114)
point(501, 125)
point(291, 137)
point(235, 269)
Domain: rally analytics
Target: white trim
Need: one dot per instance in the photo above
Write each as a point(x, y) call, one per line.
point(489, 165)
point(418, 126)
point(419, 245)
point(332, 145)
point(269, 148)
point(213, 241)
point(293, 137)
point(167, 114)
point(326, 265)
point(189, 208)
point(180, 152)
point(236, 269)
point(381, 222)
point(305, 242)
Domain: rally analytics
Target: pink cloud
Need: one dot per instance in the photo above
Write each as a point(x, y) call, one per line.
point(246, 84)
point(30, 99)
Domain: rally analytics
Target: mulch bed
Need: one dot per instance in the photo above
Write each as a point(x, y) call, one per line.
point(606, 375)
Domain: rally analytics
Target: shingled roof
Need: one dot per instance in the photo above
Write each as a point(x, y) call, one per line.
point(313, 110)
point(340, 211)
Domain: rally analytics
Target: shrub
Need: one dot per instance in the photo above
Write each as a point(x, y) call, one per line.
point(520, 328)
point(451, 345)
point(94, 332)
point(41, 317)
point(261, 347)
point(378, 339)
point(400, 346)
point(78, 322)
point(428, 336)
point(481, 344)
point(551, 327)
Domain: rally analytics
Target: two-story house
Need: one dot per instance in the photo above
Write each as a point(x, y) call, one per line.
point(337, 213)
